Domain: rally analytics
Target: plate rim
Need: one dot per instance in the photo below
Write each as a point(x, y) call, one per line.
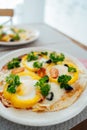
point(37, 34)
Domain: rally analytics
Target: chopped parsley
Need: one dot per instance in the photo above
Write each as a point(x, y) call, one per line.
point(31, 56)
point(21, 30)
point(37, 64)
point(63, 80)
point(13, 82)
point(43, 85)
point(1, 26)
point(2, 34)
point(44, 53)
point(71, 69)
point(16, 37)
point(56, 58)
point(15, 63)
point(66, 86)
point(45, 89)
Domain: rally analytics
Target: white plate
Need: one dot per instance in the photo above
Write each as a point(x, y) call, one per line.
point(33, 36)
point(27, 117)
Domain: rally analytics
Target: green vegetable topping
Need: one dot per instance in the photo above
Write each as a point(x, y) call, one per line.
point(1, 26)
point(13, 30)
point(37, 64)
point(2, 34)
point(14, 63)
point(56, 58)
point(45, 79)
point(13, 82)
point(66, 86)
point(16, 37)
point(43, 85)
point(44, 53)
point(71, 69)
point(45, 89)
point(21, 30)
point(31, 56)
point(63, 80)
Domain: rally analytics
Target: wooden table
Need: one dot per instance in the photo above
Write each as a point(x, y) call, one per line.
point(49, 37)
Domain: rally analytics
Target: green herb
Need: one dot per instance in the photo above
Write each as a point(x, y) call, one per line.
point(56, 58)
point(71, 69)
point(66, 86)
point(44, 53)
point(13, 82)
point(61, 57)
point(14, 63)
point(64, 78)
point(45, 89)
point(31, 56)
point(2, 34)
point(43, 80)
point(43, 85)
point(21, 30)
point(37, 64)
point(12, 29)
point(11, 89)
point(13, 79)
point(16, 37)
point(1, 26)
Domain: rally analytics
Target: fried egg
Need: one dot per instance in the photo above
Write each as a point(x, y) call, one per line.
point(62, 70)
point(29, 65)
point(26, 94)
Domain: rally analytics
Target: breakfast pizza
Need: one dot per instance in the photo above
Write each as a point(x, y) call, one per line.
point(41, 81)
point(14, 34)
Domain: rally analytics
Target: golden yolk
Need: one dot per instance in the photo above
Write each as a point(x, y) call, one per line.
point(29, 73)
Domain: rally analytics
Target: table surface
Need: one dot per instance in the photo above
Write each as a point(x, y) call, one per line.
point(49, 37)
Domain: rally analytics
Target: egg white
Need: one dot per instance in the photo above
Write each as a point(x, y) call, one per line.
point(30, 64)
point(57, 92)
point(27, 87)
point(61, 69)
